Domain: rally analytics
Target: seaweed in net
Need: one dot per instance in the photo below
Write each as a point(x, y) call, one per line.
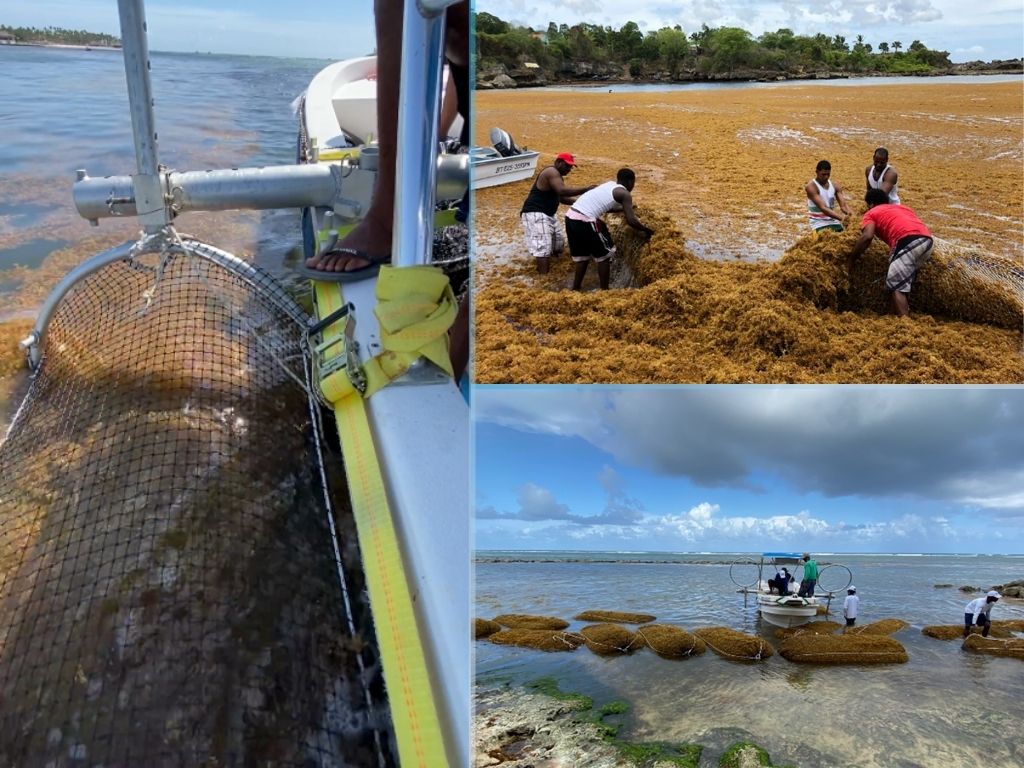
point(171, 589)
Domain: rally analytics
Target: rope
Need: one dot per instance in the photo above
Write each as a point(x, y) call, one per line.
point(629, 646)
point(689, 651)
point(720, 652)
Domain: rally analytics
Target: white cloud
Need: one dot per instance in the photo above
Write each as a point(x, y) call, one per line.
point(536, 503)
point(939, 24)
point(702, 524)
point(957, 446)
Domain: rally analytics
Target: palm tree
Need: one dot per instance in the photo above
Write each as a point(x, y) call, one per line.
point(883, 47)
point(896, 45)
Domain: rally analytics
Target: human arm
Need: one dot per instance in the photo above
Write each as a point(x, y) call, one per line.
point(841, 197)
point(553, 180)
point(888, 181)
point(622, 197)
point(867, 233)
point(814, 195)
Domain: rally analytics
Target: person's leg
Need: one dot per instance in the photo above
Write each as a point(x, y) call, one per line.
point(557, 240)
point(903, 268)
point(985, 623)
point(449, 108)
point(581, 271)
point(372, 235)
point(537, 228)
point(899, 303)
point(458, 339)
point(604, 271)
point(968, 621)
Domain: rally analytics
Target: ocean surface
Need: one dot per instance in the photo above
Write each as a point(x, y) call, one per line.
point(62, 109)
point(943, 708)
point(65, 109)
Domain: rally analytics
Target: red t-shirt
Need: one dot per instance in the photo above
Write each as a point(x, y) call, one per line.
point(894, 222)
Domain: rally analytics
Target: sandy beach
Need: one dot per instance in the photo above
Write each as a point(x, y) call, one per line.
point(721, 176)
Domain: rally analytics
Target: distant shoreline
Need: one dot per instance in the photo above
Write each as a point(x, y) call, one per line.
point(807, 78)
point(71, 46)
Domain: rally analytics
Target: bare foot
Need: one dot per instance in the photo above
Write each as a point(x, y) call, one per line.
point(370, 236)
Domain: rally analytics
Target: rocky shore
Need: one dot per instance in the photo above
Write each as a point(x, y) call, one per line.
point(517, 728)
point(584, 73)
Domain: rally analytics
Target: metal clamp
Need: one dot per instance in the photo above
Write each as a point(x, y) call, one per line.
point(349, 359)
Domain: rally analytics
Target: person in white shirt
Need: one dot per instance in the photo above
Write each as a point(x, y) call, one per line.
point(977, 613)
point(850, 605)
point(587, 233)
point(881, 175)
point(822, 196)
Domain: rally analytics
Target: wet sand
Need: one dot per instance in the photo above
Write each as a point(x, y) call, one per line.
point(721, 175)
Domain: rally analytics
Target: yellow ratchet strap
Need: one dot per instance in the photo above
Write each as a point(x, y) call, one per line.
point(415, 308)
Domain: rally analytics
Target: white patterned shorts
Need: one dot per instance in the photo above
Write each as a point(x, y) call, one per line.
point(906, 259)
point(543, 235)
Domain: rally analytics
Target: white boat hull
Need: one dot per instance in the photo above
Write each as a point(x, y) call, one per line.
point(492, 172)
point(786, 612)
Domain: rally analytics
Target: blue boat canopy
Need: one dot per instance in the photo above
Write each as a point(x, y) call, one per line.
point(793, 555)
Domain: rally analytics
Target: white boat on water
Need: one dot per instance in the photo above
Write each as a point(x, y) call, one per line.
point(774, 607)
point(501, 163)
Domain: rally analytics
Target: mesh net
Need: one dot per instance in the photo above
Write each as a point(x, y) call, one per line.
point(171, 586)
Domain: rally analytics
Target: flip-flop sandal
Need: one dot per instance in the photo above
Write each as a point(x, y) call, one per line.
point(352, 276)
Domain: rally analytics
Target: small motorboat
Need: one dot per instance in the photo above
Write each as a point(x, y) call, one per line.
point(784, 610)
point(502, 162)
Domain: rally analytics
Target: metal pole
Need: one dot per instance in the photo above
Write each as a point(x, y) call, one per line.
point(419, 105)
point(153, 211)
point(275, 186)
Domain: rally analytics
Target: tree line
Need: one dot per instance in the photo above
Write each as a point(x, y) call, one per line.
point(707, 51)
point(59, 35)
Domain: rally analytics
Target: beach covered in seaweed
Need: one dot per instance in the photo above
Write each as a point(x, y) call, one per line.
point(733, 287)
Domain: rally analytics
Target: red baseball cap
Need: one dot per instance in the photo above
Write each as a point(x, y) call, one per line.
point(566, 158)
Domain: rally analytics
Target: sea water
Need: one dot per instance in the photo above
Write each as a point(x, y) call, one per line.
point(62, 109)
point(945, 707)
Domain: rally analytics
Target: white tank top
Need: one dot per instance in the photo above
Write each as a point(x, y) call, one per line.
point(598, 201)
point(818, 218)
point(894, 196)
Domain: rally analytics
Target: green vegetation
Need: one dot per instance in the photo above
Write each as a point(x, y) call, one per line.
point(61, 36)
point(741, 753)
point(708, 52)
point(549, 687)
point(640, 754)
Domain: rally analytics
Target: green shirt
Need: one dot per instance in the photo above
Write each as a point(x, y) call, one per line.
point(811, 570)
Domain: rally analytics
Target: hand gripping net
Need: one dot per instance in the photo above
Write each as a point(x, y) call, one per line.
point(171, 587)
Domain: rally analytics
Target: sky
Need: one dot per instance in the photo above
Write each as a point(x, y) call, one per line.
point(750, 469)
point(992, 30)
point(316, 29)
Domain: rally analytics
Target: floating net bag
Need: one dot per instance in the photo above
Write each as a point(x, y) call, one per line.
point(172, 591)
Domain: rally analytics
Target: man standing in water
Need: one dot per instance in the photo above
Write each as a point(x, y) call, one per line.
point(909, 241)
point(977, 613)
point(543, 235)
point(588, 234)
point(822, 195)
point(850, 606)
point(881, 175)
point(810, 577)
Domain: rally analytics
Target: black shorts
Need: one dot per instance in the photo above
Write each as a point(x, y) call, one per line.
point(588, 240)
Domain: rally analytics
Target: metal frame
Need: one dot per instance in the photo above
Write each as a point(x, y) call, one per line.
point(421, 424)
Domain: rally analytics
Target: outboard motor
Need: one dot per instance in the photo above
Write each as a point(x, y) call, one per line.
point(503, 143)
